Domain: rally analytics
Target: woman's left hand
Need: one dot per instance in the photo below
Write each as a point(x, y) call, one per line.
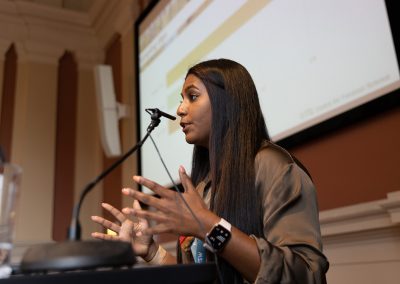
point(171, 214)
point(126, 230)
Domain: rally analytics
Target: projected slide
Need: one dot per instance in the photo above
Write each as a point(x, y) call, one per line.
point(310, 61)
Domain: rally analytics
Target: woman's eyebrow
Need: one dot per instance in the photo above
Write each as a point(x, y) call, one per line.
point(190, 87)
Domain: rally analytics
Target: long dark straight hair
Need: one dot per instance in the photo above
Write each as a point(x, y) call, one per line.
point(237, 132)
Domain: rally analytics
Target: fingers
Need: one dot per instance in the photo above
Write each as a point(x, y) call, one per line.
point(145, 214)
point(145, 198)
point(160, 219)
point(102, 236)
point(185, 180)
point(156, 230)
point(136, 205)
point(153, 186)
point(114, 211)
point(106, 224)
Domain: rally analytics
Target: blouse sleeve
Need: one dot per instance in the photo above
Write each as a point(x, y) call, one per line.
point(291, 248)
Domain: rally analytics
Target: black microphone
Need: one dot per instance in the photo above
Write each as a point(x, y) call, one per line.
point(76, 254)
point(156, 110)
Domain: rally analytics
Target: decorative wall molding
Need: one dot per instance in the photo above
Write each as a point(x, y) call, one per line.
point(44, 33)
point(362, 241)
point(112, 17)
point(29, 51)
point(367, 216)
point(125, 22)
point(103, 15)
point(50, 13)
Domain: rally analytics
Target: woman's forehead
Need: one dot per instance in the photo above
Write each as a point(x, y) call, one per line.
point(193, 81)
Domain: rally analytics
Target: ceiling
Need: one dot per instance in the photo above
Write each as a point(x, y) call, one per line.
point(75, 5)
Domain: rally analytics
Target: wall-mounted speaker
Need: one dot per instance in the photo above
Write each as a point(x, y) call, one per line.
point(107, 109)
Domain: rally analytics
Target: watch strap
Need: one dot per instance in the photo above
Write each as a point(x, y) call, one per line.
point(225, 224)
point(214, 241)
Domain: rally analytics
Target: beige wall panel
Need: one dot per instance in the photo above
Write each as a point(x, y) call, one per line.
point(368, 257)
point(88, 151)
point(33, 148)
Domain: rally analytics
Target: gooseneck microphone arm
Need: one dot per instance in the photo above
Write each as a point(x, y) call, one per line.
point(74, 231)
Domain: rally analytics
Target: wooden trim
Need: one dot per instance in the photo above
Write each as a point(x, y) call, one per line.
point(64, 173)
point(367, 216)
point(8, 101)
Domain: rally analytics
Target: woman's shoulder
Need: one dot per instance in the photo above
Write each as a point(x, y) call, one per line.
point(273, 161)
point(272, 153)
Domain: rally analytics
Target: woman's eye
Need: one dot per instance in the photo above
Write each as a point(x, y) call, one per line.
point(193, 97)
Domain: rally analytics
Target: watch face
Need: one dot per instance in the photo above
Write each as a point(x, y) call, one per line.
point(218, 237)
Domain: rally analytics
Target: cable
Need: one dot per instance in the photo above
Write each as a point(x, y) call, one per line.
point(221, 280)
point(176, 187)
point(187, 206)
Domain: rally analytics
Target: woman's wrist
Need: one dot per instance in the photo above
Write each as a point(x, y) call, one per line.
point(208, 219)
point(153, 248)
point(158, 257)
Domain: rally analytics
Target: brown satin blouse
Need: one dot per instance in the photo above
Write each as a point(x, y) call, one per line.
point(291, 248)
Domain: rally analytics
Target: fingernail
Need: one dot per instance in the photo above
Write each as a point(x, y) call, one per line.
point(136, 178)
point(125, 190)
point(182, 169)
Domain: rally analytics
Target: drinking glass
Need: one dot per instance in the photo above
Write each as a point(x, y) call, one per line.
point(10, 176)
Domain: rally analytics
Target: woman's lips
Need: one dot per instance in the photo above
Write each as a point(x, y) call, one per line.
point(184, 126)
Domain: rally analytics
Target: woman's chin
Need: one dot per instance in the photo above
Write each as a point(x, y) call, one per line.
point(188, 140)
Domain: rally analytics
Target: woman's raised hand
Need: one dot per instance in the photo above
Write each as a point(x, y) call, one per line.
point(171, 214)
point(126, 230)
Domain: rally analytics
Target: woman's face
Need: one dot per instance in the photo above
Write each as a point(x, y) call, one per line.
point(195, 112)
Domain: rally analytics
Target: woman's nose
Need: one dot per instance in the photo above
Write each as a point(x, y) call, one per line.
point(181, 110)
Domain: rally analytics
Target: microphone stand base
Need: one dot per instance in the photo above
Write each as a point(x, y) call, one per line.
point(77, 255)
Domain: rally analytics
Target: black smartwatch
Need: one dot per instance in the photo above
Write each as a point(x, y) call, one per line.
point(218, 237)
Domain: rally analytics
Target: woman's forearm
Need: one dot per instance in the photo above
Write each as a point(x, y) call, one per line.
point(242, 253)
